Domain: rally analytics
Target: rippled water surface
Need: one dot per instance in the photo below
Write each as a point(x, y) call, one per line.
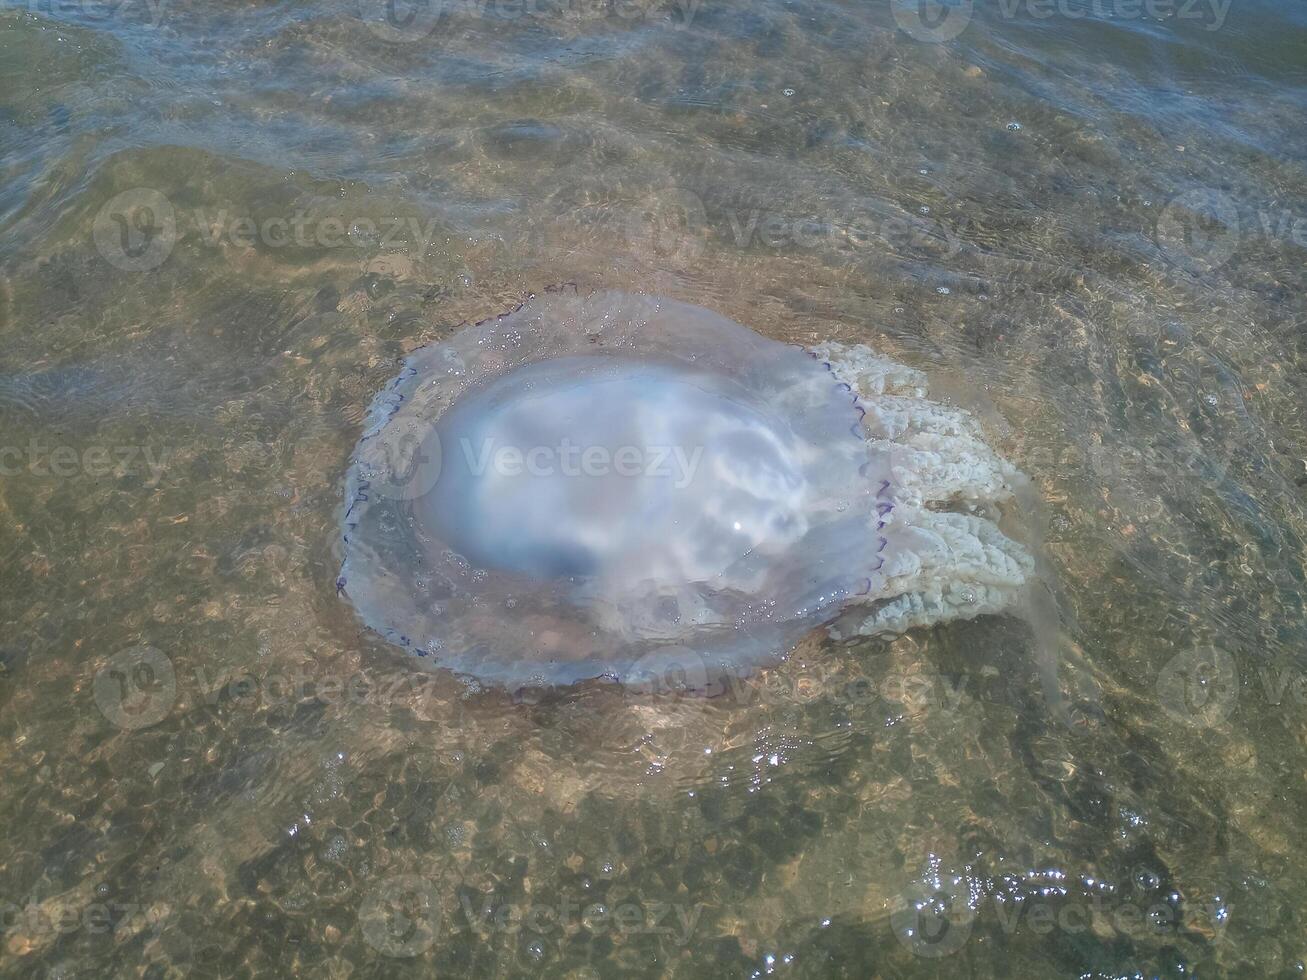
point(222, 225)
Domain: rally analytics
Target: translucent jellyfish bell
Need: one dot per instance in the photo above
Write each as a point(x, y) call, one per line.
point(612, 485)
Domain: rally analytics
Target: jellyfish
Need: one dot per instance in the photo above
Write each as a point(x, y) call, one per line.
point(610, 486)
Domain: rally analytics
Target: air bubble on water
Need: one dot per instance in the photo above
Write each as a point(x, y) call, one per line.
point(924, 209)
point(943, 290)
point(336, 847)
point(789, 92)
point(1146, 879)
point(453, 364)
point(1013, 126)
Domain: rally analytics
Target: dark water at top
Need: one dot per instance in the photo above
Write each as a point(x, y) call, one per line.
point(223, 224)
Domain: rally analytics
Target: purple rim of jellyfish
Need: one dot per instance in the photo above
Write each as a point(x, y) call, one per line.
point(642, 601)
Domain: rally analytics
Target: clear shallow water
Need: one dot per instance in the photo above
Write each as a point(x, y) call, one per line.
point(1095, 226)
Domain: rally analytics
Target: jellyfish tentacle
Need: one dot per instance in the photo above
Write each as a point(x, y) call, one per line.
point(943, 566)
point(944, 470)
point(939, 565)
point(869, 373)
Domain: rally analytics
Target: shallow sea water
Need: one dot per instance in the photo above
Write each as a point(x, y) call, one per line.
point(223, 225)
